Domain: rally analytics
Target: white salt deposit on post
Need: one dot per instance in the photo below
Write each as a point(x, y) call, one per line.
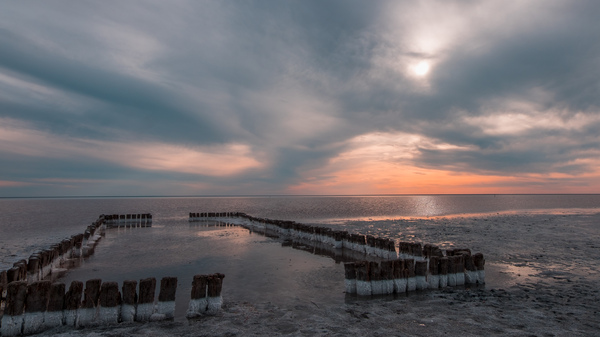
point(350, 279)
point(166, 297)
point(479, 263)
point(145, 307)
point(89, 309)
point(198, 300)
point(375, 276)
point(363, 283)
point(214, 287)
point(411, 282)
point(399, 278)
point(73, 303)
point(470, 270)
point(128, 306)
point(12, 320)
point(421, 275)
point(109, 299)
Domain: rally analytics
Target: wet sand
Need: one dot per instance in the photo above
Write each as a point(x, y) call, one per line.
point(542, 276)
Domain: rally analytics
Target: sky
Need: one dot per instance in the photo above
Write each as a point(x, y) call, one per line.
point(131, 98)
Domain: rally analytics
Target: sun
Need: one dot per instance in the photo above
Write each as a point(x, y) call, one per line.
point(421, 69)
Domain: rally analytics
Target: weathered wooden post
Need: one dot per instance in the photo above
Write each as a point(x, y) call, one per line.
point(12, 320)
point(460, 270)
point(451, 271)
point(128, 307)
point(166, 297)
point(421, 275)
point(443, 272)
point(399, 279)
point(56, 306)
point(145, 307)
point(73, 303)
point(198, 300)
point(214, 287)
point(363, 282)
point(350, 279)
point(411, 282)
point(36, 304)
point(470, 270)
point(434, 270)
point(375, 277)
point(387, 275)
point(89, 308)
point(109, 301)
point(479, 263)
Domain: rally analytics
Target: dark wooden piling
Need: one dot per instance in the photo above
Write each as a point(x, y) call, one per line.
point(91, 293)
point(16, 294)
point(168, 288)
point(443, 272)
point(147, 290)
point(129, 292)
point(199, 287)
point(73, 296)
point(37, 296)
point(215, 285)
point(56, 299)
point(109, 295)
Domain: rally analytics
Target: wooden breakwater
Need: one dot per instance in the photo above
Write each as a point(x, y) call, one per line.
point(43, 305)
point(377, 266)
point(69, 252)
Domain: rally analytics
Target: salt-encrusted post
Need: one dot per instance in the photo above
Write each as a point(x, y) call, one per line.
point(387, 275)
point(421, 275)
point(12, 320)
point(166, 297)
point(363, 282)
point(88, 311)
point(109, 300)
point(460, 270)
point(375, 276)
point(443, 272)
point(145, 307)
point(470, 270)
point(214, 287)
point(451, 271)
point(399, 279)
point(73, 303)
point(350, 279)
point(33, 268)
point(411, 282)
point(129, 301)
point(198, 301)
point(434, 278)
point(479, 263)
point(36, 304)
point(56, 306)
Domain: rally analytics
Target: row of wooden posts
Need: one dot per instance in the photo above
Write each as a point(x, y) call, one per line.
point(127, 220)
point(406, 267)
point(366, 278)
point(42, 305)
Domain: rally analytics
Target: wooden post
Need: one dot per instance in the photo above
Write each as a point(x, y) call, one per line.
point(421, 275)
point(479, 263)
point(411, 282)
point(56, 306)
point(36, 304)
point(166, 297)
point(128, 307)
point(12, 320)
point(88, 311)
point(363, 282)
point(399, 279)
point(145, 307)
point(443, 272)
point(109, 301)
point(434, 270)
point(375, 276)
point(73, 303)
point(350, 279)
point(214, 287)
point(198, 300)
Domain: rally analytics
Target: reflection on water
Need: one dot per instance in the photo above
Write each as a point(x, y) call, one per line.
point(256, 268)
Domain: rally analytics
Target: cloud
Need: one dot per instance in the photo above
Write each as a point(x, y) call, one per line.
point(283, 97)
